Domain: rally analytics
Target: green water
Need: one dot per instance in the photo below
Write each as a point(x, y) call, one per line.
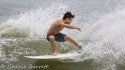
point(30, 64)
point(16, 48)
point(24, 24)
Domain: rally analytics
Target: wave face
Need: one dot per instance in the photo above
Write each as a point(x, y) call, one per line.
point(102, 35)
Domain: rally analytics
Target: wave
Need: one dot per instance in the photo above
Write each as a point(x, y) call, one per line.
point(102, 39)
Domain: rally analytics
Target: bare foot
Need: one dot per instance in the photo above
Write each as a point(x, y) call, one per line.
point(55, 53)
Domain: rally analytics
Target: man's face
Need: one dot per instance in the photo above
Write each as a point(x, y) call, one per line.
point(69, 20)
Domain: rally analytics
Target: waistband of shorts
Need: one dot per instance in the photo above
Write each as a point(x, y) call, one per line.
point(49, 34)
point(52, 34)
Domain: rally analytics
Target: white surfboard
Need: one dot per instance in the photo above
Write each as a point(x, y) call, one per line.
point(59, 56)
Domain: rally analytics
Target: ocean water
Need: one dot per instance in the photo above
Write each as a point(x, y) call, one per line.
point(24, 23)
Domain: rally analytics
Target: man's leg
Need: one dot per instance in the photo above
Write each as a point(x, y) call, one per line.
point(67, 38)
point(53, 44)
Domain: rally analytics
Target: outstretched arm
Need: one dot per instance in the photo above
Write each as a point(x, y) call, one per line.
point(69, 26)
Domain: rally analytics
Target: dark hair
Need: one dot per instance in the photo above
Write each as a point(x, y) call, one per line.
point(68, 14)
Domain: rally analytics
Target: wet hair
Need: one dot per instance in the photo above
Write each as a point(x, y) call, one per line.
point(69, 15)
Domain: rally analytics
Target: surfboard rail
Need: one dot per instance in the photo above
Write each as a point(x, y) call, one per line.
point(59, 56)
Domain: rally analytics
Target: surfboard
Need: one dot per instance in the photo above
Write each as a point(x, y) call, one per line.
point(58, 56)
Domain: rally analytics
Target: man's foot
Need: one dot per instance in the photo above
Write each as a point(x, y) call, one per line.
point(80, 49)
point(55, 53)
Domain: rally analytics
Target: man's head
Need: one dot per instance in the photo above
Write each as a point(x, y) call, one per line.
point(68, 17)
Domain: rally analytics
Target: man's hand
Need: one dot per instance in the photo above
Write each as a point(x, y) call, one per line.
point(79, 29)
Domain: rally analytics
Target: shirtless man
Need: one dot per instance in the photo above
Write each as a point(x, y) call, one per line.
point(55, 35)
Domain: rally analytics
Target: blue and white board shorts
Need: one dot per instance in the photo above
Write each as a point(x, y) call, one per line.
point(58, 37)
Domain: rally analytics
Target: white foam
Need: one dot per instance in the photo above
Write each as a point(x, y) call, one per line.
point(106, 39)
point(103, 41)
point(37, 21)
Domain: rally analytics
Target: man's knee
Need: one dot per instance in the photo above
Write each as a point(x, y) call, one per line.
point(66, 37)
point(52, 38)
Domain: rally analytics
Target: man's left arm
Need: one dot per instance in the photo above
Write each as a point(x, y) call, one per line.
point(69, 26)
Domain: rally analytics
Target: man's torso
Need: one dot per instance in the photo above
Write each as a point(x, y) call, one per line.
point(55, 28)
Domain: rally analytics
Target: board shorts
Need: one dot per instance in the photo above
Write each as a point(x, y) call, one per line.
point(58, 37)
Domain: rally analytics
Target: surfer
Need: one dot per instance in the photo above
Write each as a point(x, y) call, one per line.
point(54, 33)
